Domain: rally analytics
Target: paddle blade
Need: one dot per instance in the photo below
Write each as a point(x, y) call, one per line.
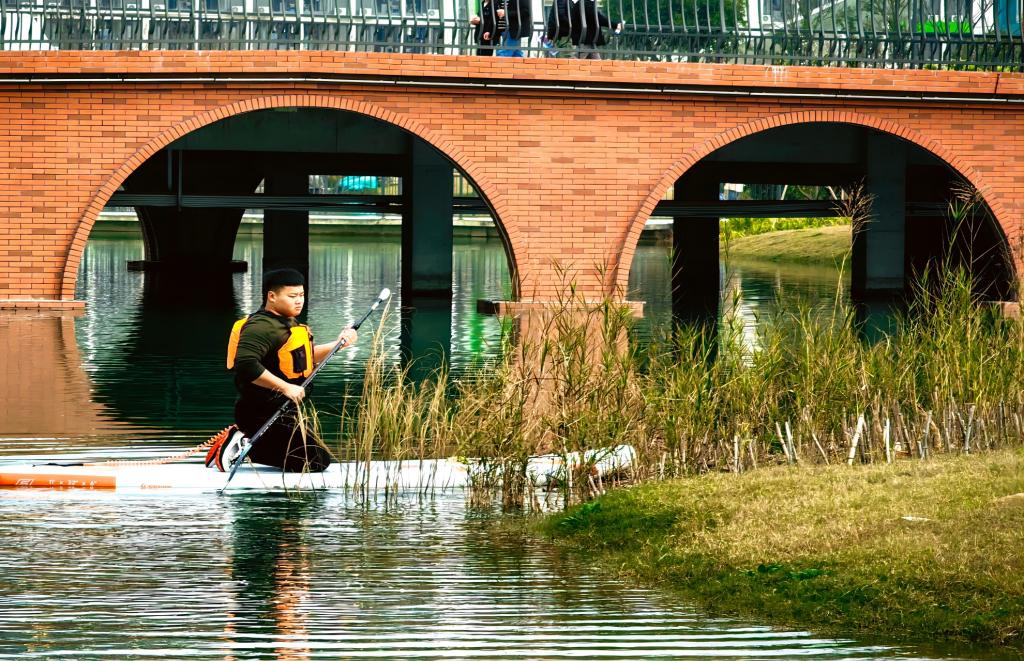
point(384, 295)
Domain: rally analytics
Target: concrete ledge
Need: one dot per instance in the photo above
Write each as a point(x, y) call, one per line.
point(516, 308)
point(353, 68)
point(40, 304)
point(1009, 309)
point(235, 266)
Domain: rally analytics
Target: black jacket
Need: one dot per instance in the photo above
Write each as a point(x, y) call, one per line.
point(518, 20)
point(261, 337)
point(488, 25)
point(581, 21)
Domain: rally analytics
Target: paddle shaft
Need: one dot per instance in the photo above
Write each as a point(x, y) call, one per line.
point(284, 406)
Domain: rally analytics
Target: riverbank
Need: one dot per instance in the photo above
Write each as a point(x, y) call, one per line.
point(917, 550)
point(816, 245)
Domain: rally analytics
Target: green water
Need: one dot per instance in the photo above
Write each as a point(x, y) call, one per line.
point(142, 370)
point(94, 575)
point(267, 576)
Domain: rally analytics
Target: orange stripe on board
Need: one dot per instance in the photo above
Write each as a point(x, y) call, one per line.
point(57, 481)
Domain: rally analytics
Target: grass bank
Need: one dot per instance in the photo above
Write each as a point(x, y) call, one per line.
point(816, 245)
point(917, 550)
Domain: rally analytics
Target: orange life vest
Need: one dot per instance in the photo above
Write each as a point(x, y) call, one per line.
point(295, 357)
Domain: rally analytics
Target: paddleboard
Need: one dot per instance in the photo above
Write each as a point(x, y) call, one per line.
point(406, 475)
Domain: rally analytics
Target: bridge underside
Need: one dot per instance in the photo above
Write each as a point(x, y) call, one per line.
point(191, 196)
point(901, 197)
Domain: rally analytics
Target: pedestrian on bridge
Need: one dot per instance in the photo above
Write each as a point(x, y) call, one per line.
point(582, 22)
point(485, 23)
point(503, 23)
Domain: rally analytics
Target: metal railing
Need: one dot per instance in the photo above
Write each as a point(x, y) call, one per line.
point(960, 34)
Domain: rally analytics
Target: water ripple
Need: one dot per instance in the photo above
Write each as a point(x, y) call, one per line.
point(271, 576)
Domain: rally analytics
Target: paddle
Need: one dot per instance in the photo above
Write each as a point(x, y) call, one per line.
point(383, 296)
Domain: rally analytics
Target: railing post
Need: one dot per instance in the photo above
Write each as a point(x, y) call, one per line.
point(195, 24)
point(449, 17)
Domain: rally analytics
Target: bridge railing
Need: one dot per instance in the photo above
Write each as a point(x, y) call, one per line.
point(967, 34)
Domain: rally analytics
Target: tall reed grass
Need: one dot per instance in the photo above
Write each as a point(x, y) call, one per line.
point(948, 377)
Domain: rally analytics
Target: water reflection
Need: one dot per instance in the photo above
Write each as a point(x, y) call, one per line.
point(269, 562)
point(752, 291)
point(43, 390)
point(142, 370)
point(167, 369)
point(270, 576)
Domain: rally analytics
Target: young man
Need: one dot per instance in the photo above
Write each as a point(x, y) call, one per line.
point(271, 354)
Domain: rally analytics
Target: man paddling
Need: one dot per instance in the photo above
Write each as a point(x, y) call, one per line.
point(271, 354)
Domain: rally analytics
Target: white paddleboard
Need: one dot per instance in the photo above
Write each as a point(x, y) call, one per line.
point(407, 475)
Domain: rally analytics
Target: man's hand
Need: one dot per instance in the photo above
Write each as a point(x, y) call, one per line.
point(475, 20)
point(347, 337)
point(487, 36)
point(501, 13)
point(293, 392)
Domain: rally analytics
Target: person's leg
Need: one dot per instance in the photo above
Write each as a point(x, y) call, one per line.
point(502, 51)
point(509, 47)
point(305, 452)
point(516, 46)
point(283, 444)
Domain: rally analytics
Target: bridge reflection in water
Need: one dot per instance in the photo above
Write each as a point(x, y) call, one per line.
point(141, 372)
point(154, 343)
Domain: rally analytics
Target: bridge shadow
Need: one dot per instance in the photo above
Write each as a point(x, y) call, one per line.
point(912, 214)
point(190, 198)
point(171, 373)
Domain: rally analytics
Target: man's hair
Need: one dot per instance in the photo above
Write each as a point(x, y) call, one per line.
point(274, 280)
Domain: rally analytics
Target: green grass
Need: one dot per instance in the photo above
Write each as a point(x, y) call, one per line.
point(822, 245)
point(918, 550)
point(734, 228)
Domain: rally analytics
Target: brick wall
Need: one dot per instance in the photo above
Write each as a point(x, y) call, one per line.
point(572, 171)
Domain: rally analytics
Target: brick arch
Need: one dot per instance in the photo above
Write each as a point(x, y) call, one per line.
point(691, 158)
point(515, 246)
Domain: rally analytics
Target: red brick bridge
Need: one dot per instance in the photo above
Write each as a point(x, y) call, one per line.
point(570, 157)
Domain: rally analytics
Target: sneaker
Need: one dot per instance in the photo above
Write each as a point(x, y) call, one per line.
point(226, 448)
